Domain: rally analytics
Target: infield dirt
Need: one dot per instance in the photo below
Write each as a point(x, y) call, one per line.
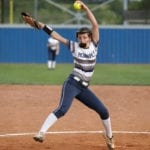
point(25, 107)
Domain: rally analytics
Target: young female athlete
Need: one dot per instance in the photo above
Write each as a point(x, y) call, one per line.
point(76, 85)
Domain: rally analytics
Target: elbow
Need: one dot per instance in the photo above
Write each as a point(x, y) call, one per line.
point(96, 25)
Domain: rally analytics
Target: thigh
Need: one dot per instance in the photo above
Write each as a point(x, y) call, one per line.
point(49, 54)
point(88, 98)
point(53, 55)
point(69, 91)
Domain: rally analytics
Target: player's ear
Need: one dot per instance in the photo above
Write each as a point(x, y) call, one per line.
point(90, 35)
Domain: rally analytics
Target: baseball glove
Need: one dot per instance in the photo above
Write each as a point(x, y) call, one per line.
point(30, 20)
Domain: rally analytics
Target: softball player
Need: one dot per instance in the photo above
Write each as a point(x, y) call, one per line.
point(76, 85)
point(53, 50)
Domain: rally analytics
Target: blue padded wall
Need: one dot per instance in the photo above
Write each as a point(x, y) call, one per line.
point(117, 45)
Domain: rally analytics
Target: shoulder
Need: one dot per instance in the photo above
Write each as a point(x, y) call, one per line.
point(53, 41)
point(49, 40)
point(72, 45)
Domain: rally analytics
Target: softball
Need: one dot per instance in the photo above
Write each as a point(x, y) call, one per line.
point(77, 6)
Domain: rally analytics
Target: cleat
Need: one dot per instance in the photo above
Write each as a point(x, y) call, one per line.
point(39, 137)
point(110, 142)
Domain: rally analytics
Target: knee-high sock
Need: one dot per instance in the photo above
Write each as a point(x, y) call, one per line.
point(107, 126)
point(50, 120)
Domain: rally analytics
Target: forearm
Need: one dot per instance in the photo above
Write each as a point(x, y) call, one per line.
point(91, 17)
point(89, 14)
point(53, 33)
point(58, 37)
point(94, 23)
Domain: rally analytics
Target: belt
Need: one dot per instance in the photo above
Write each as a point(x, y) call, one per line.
point(84, 83)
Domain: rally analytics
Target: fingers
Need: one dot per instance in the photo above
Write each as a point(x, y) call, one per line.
point(83, 6)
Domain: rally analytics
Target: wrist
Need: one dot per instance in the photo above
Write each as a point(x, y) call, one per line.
point(47, 29)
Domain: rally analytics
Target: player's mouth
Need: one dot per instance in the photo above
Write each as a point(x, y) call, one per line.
point(82, 45)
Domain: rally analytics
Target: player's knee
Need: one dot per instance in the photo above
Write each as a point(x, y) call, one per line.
point(104, 114)
point(60, 113)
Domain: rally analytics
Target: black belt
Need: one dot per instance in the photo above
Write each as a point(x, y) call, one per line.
point(84, 83)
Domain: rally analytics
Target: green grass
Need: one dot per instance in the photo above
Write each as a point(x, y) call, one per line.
point(105, 74)
point(120, 74)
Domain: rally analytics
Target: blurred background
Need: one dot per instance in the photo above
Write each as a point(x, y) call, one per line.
point(124, 48)
point(124, 28)
point(62, 12)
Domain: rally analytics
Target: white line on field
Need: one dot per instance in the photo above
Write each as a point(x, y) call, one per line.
point(75, 132)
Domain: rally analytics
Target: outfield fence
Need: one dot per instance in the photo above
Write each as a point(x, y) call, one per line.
point(118, 44)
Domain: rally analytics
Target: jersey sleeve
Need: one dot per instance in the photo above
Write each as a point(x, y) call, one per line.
point(71, 46)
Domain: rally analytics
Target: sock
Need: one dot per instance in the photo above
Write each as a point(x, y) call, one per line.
point(108, 129)
point(53, 64)
point(50, 120)
point(49, 64)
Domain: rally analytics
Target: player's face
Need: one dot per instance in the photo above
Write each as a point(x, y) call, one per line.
point(84, 40)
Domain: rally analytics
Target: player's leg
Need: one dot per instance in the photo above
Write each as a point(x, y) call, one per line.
point(88, 98)
point(69, 91)
point(50, 120)
point(54, 59)
point(49, 59)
